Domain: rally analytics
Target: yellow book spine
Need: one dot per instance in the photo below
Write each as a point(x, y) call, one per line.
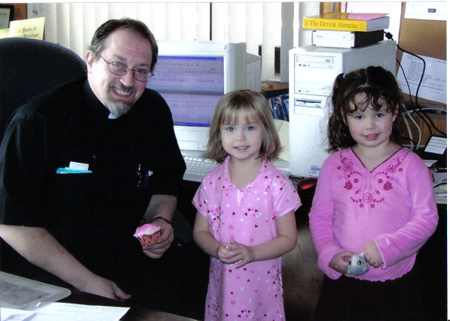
point(334, 24)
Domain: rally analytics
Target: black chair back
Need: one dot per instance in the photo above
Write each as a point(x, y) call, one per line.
point(29, 67)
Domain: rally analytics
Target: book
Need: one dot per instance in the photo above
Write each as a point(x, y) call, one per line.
point(346, 39)
point(347, 22)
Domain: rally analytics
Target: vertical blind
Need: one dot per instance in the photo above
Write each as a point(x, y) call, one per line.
point(265, 24)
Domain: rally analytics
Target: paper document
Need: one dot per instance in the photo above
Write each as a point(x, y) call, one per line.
point(76, 312)
point(434, 82)
point(425, 10)
point(7, 314)
point(27, 28)
point(436, 145)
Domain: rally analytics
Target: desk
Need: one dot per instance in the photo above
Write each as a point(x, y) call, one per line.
point(136, 313)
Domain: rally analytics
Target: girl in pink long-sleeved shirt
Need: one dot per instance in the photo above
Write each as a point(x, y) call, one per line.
point(372, 197)
point(245, 212)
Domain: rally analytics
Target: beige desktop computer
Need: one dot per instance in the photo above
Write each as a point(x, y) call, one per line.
point(312, 73)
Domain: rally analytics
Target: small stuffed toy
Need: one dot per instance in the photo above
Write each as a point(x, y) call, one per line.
point(357, 265)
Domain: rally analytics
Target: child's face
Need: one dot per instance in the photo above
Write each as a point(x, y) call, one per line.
point(368, 127)
point(243, 140)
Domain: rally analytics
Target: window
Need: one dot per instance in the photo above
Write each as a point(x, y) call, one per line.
point(268, 24)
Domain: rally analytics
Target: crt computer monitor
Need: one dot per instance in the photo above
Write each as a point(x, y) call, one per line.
point(193, 76)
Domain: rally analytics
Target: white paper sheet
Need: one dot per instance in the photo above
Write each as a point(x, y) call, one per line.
point(76, 312)
point(7, 314)
point(434, 83)
point(436, 145)
point(425, 10)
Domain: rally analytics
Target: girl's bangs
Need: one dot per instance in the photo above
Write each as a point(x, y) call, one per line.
point(370, 101)
point(230, 115)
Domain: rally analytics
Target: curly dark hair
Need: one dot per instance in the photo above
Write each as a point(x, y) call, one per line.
point(108, 27)
point(375, 83)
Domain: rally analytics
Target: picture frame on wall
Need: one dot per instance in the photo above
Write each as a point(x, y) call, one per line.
point(6, 15)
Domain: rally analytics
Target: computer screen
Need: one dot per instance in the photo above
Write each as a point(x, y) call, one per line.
point(193, 76)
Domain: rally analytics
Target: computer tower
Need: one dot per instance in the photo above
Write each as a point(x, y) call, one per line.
point(312, 71)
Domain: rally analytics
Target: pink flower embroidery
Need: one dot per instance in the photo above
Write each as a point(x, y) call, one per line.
point(391, 168)
point(348, 166)
point(387, 186)
point(367, 197)
point(365, 190)
point(348, 185)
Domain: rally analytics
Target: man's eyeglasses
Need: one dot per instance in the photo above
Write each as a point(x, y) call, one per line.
point(119, 69)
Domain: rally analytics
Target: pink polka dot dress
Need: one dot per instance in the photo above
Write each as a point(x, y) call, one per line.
point(248, 215)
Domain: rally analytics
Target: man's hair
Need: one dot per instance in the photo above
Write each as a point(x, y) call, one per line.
point(107, 28)
point(256, 109)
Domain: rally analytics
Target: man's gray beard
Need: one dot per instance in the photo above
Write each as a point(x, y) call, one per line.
point(118, 108)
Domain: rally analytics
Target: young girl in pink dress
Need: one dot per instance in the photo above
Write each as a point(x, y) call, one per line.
point(372, 197)
point(245, 212)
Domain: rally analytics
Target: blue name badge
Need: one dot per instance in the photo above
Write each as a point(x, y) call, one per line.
point(72, 171)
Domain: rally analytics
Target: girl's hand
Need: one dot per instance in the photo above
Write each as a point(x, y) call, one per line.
point(372, 255)
point(243, 253)
point(339, 262)
point(223, 253)
point(233, 252)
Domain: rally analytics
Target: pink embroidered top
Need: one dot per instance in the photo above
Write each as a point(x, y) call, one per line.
point(392, 204)
point(248, 216)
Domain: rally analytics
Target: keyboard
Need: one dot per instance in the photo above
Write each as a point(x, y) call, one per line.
point(197, 167)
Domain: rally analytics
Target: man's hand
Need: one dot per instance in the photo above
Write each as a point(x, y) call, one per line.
point(160, 209)
point(155, 251)
point(103, 287)
point(39, 247)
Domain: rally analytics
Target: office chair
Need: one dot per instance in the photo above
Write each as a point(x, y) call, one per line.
point(29, 67)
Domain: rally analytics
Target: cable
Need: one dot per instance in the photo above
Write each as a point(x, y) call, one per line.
point(435, 108)
point(408, 128)
point(417, 94)
point(407, 82)
point(412, 104)
point(418, 129)
point(423, 71)
point(419, 108)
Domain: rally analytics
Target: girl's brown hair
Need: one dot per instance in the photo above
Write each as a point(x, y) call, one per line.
point(375, 83)
point(256, 109)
